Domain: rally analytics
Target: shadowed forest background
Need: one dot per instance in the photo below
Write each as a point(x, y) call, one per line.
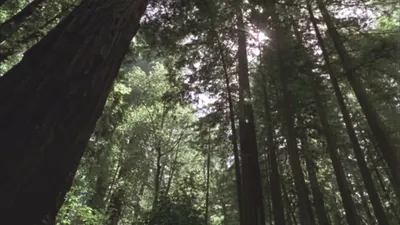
point(200, 112)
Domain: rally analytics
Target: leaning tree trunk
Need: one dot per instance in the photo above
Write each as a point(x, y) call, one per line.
point(386, 145)
point(50, 103)
point(362, 164)
point(30, 38)
point(344, 188)
point(12, 25)
point(253, 205)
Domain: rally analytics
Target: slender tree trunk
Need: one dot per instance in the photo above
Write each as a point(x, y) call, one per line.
point(172, 173)
point(269, 210)
point(50, 103)
point(290, 214)
point(306, 214)
point(12, 25)
point(364, 202)
point(208, 183)
point(235, 146)
point(115, 207)
point(344, 188)
point(274, 177)
point(318, 197)
point(253, 205)
point(365, 172)
point(386, 145)
point(157, 176)
point(345, 191)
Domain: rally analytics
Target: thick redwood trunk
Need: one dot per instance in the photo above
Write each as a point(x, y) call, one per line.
point(51, 101)
point(253, 205)
point(386, 145)
point(30, 38)
point(12, 25)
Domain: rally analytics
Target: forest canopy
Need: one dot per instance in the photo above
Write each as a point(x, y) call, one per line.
point(200, 112)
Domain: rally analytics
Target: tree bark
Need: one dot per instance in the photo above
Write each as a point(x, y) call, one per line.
point(386, 145)
point(344, 188)
point(274, 177)
point(365, 172)
point(50, 103)
point(253, 205)
point(306, 214)
point(345, 191)
point(208, 184)
point(29, 39)
point(12, 25)
point(235, 146)
point(115, 207)
point(318, 197)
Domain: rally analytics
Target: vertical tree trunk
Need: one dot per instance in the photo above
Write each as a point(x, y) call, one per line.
point(386, 145)
point(274, 177)
point(318, 198)
point(157, 176)
point(253, 205)
point(306, 214)
point(12, 25)
point(235, 147)
point(365, 172)
point(208, 183)
point(50, 103)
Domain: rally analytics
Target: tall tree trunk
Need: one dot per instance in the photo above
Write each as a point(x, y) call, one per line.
point(386, 145)
point(365, 172)
point(235, 146)
point(345, 191)
point(344, 188)
point(12, 25)
point(157, 176)
point(115, 207)
point(274, 177)
point(306, 214)
point(290, 214)
point(318, 197)
point(364, 202)
point(31, 38)
point(50, 103)
point(253, 205)
point(208, 183)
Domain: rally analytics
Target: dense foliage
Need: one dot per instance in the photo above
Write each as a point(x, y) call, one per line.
point(236, 112)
